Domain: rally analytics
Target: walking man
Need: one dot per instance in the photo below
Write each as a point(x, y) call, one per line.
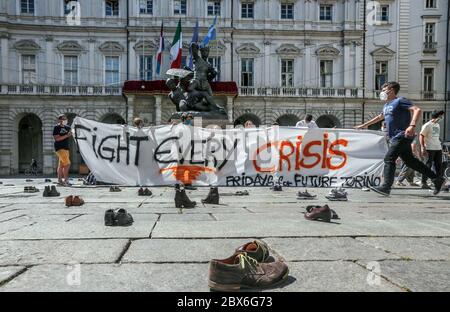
point(401, 130)
point(430, 145)
point(307, 122)
point(61, 134)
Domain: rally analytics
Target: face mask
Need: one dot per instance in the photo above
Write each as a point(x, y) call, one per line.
point(64, 122)
point(188, 122)
point(383, 96)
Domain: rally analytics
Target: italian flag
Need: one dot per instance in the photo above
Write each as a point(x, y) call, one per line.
point(177, 48)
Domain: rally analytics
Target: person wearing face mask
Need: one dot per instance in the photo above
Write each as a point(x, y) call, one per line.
point(401, 127)
point(61, 135)
point(430, 145)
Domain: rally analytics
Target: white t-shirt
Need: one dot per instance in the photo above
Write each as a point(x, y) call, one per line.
point(303, 124)
point(431, 132)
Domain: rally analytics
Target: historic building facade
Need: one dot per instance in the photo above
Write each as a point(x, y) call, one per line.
point(288, 57)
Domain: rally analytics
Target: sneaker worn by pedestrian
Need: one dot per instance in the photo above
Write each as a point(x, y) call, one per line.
point(425, 187)
point(438, 182)
point(319, 213)
point(337, 195)
point(381, 190)
point(334, 215)
point(257, 250)
point(305, 195)
point(241, 271)
point(213, 196)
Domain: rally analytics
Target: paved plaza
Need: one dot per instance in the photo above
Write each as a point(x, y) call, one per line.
point(395, 244)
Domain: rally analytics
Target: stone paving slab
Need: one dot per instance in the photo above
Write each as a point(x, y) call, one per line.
point(60, 251)
point(333, 276)
point(84, 227)
point(187, 217)
point(338, 248)
point(182, 250)
point(418, 276)
point(9, 272)
point(445, 241)
point(113, 278)
point(410, 248)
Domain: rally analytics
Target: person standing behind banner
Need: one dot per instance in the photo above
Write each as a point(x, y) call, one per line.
point(61, 134)
point(430, 145)
point(308, 122)
point(401, 129)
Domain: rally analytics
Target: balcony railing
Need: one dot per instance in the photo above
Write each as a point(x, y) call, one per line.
point(430, 47)
point(59, 90)
point(428, 95)
point(301, 92)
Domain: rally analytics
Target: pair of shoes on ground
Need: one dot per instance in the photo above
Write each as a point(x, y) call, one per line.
point(382, 190)
point(30, 189)
point(74, 201)
point(337, 194)
point(181, 198)
point(114, 188)
point(118, 217)
point(248, 267)
point(305, 195)
point(242, 193)
point(213, 196)
point(144, 192)
point(51, 191)
point(320, 213)
point(277, 188)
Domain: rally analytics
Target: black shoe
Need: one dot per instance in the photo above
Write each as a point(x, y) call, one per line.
point(46, 191)
point(380, 190)
point(438, 185)
point(53, 192)
point(213, 196)
point(147, 192)
point(123, 218)
point(141, 192)
point(182, 200)
point(109, 217)
point(425, 187)
point(277, 188)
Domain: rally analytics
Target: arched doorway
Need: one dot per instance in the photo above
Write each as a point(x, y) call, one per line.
point(30, 142)
point(75, 157)
point(113, 118)
point(244, 118)
point(288, 120)
point(328, 121)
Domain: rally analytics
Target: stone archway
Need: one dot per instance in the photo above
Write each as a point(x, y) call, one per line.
point(328, 121)
point(30, 144)
point(288, 120)
point(113, 118)
point(241, 120)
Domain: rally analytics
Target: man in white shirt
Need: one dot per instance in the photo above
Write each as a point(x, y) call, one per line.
point(430, 144)
point(307, 122)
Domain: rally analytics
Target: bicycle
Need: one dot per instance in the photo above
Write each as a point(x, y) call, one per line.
point(446, 160)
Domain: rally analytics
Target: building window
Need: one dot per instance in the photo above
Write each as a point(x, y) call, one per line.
point(179, 7)
point(28, 69)
point(112, 70)
point(247, 10)
point(326, 74)
point(27, 6)
point(112, 8)
point(69, 6)
point(381, 74)
point(70, 70)
point(430, 29)
point(430, 4)
point(326, 13)
point(383, 13)
point(213, 8)
point(428, 83)
point(426, 117)
point(287, 11)
point(215, 62)
point(146, 6)
point(145, 67)
point(247, 72)
point(287, 73)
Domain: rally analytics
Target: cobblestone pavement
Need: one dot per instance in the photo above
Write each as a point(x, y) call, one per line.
point(400, 243)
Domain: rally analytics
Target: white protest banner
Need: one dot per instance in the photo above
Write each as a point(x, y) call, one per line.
point(170, 154)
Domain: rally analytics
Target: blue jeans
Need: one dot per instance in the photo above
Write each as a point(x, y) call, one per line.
point(402, 148)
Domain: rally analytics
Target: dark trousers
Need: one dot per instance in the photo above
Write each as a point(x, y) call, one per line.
point(434, 157)
point(402, 148)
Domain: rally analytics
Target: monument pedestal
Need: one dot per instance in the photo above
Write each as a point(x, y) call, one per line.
point(204, 119)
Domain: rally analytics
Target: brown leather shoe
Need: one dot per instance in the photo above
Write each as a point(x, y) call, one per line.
point(241, 271)
point(319, 214)
point(69, 201)
point(77, 201)
point(257, 250)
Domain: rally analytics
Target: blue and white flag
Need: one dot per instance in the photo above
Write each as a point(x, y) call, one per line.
point(211, 35)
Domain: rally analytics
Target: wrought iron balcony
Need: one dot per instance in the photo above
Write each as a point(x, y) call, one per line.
point(429, 47)
point(301, 92)
point(38, 89)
